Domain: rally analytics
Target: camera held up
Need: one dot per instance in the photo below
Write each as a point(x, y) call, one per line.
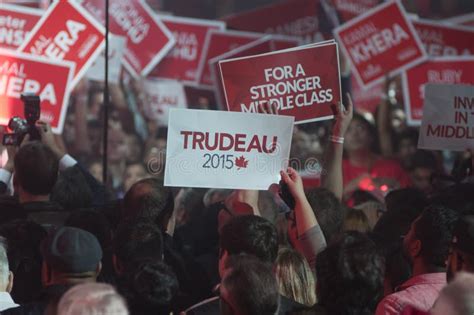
point(22, 127)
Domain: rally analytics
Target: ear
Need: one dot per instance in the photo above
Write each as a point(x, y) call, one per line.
point(415, 248)
point(10, 282)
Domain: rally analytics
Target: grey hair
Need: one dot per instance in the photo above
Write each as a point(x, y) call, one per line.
point(457, 298)
point(92, 299)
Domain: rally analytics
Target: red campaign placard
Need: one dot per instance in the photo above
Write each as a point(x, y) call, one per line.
point(148, 39)
point(298, 18)
point(15, 24)
point(380, 42)
point(445, 40)
point(217, 43)
point(182, 61)
point(349, 9)
point(366, 99)
point(260, 46)
point(67, 32)
point(441, 70)
point(47, 78)
point(280, 42)
point(303, 82)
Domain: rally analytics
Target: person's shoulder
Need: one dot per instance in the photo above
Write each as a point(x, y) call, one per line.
point(207, 307)
point(391, 304)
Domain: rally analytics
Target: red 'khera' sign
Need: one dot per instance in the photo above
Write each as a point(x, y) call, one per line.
point(300, 18)
point(217, 43)
point(148, 40)
point(349, 9)
point(67, 32)
point(380, 42)
point(303, 82)
point(445, 40)
point(182, 61)
point(15, 24)
point(441, 70)
point(47, 78)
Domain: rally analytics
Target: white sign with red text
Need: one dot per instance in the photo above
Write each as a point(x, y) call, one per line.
point(96, 72)
point(15, 24)
point(230, 150)
point(49, 79)
point(161, 96)
point(448, 118)
point(67, 32)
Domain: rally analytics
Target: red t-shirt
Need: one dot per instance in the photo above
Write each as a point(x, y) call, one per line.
point(381, 168)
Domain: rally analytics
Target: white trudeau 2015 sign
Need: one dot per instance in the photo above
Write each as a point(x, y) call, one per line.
point(232, 150)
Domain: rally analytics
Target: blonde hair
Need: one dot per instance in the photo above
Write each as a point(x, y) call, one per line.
point(294, 276)
point(356, 220)
point(92, 299)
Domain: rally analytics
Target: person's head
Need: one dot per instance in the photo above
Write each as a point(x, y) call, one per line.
point(134, 148)
point(133, 173)
point(94, 222)
point(72, 190)
point(6, 276)
point(150, 199)
point(328, 210)
point(92, 298)
point(24, 239)
point(356, 220)
point(461, 255)
point(95, 167)
point(457, 298)
point(350, 275)
point(248, 234)
point(423, 166)
point(248, 287)
point(149, 287)
point(406, 144)
point(135, 241)
point(116, 145)
point(70, 256)
point(360, 136)
point(427, 242)
point(188, 204)
point(36, 171)
point(94, 134)
point(294, 276)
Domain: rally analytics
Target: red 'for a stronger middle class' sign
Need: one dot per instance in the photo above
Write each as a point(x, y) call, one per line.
point(302, 82)
point(380, 42)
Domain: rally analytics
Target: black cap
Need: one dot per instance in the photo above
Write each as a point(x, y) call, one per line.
point(71, 250)
point(463, 234)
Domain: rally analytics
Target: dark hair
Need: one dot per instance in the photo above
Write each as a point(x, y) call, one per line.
point(350, 274)
point(372, 131)
point(328, 210)
point(423, 159)
point(24, 257)
point(36, 168)
point(252, 235)
point(149, 199)
point(71, 190)
point(93, 222)
point(251, 286)
point(149, 287)
point(434, 229)
point(137, 240)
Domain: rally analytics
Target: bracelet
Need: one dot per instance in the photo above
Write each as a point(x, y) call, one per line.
point(336, 139)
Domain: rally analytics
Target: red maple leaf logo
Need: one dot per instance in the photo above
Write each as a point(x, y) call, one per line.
point(241, 162)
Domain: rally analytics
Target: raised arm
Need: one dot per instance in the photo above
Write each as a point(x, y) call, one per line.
point(331, 177)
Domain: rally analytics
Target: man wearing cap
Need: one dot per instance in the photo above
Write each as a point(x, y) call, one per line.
point(70, 256)
point(461, 255)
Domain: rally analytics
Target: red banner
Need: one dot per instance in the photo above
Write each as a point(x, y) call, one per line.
point(148, 39)
point(217, 43)
point(442, 70)
point(15, 24)
point(445, 40)
point(183, 60)
point(380, 42)
point(300, 18)
point(349, 9)
point(303, 82)
point(47, 78)
point(67, 32)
